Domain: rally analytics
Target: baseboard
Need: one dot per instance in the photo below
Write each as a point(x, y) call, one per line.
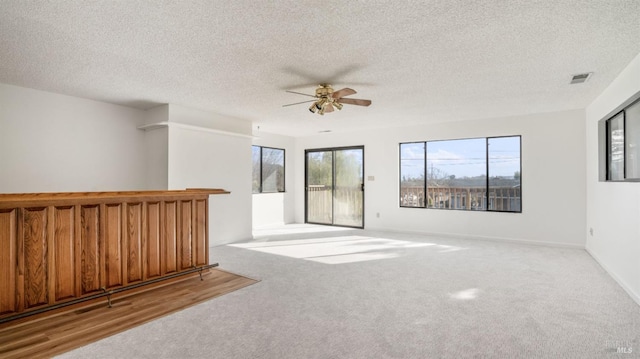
point(268, 225)
point(622, 283)
point(483, 238)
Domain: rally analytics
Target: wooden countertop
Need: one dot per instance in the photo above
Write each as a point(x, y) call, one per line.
point(10, 200)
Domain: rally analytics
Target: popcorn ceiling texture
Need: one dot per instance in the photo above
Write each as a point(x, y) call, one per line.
point(418, 61)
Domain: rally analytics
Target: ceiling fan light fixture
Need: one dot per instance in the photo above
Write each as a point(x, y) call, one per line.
point(320, 104)
point(337, 105)
point(313, 107)
point(321, 111)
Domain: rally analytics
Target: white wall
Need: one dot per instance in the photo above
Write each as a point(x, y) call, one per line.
point(553, 188)
point(157, 158)
point(613, 209)
point(268, 210)
point(56, 143)
point(276, 208)
point(200, 157)
point(157, 148)
point(204, 119)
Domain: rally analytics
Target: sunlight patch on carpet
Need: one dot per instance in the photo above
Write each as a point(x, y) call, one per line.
point(467, 294)
point(339, 250)
point(266, 231)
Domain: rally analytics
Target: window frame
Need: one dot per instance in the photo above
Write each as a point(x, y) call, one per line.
point(609, 135)
point(519, 172)
point(260, 169)
point(605, 144)
point(424, 166)
point(487, 181)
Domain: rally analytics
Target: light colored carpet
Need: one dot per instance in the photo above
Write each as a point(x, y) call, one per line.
point(361, 294)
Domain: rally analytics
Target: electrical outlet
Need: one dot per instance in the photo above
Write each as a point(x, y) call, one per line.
point(378, 215)
point(591, 231)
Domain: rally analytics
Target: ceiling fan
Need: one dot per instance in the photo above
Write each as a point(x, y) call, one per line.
point(326, 99)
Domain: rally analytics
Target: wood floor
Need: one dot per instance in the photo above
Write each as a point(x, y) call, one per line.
point(56, 332)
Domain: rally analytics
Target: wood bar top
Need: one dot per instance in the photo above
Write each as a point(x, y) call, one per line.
point(12, 200)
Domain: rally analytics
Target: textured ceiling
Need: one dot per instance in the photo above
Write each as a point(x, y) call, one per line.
point(419, 62)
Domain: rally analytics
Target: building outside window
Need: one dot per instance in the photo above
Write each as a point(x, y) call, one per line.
point(478, 174)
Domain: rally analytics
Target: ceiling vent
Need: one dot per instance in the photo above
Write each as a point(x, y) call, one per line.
point(580, 78)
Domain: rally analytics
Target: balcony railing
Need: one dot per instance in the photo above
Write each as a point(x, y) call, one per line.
point(507, 199)
point(334, 205)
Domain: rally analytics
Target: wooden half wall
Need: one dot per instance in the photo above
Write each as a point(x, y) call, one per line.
point(61, 247)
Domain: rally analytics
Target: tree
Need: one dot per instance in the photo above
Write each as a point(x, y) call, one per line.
point(437, 177)
point(319, 168)
point(347, 166)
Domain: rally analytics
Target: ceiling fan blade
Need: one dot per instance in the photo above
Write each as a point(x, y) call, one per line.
point(344, 92)
point(328, 108)
point(297, 103)
point(300, 93)
point(355, 101)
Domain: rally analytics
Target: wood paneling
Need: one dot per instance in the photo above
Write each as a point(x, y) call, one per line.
point(185, 235)
point(170, 248)
point(133, 233)
point(60, 247)
point(8, 261)
point(113, 245)
point(35, 257)
point(90, 249)
point(64, 255)
point(200, 235)
point(153, 241)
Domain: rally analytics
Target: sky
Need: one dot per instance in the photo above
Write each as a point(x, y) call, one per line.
point(463, 158)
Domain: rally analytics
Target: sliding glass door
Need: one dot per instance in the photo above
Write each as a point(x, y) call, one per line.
point(319, 187)
point(335, 186)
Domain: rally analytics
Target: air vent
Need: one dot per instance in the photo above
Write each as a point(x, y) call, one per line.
point(580, 78)
point(324, 131)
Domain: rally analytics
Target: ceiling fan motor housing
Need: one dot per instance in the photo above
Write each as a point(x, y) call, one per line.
point(324, 90)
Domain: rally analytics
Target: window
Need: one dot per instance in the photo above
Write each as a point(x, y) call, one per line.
point(622, 144)
point(477, 174)
point(615, 156)
point(504, 174)
point(457, 174)
point(268, 169)
point(412, 185)
point(632, 140)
